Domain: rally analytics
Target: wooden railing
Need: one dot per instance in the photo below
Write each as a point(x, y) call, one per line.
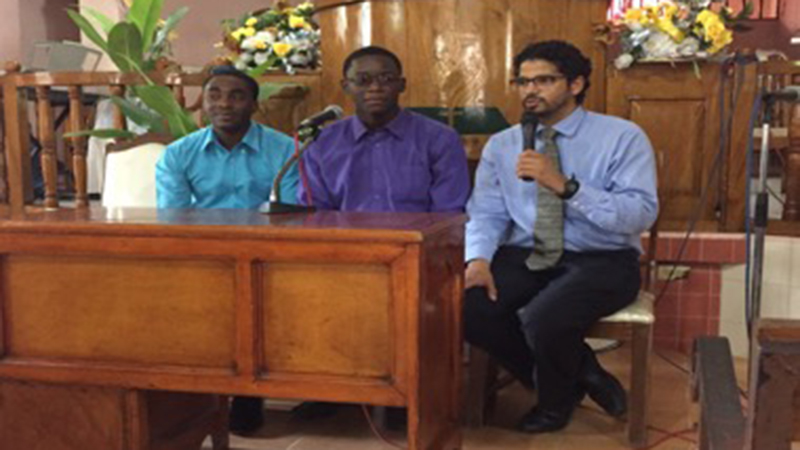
point(785, 132)
point(70, 90)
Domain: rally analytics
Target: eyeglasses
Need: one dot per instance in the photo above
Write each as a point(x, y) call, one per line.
point(366, 79)
point(541, 81)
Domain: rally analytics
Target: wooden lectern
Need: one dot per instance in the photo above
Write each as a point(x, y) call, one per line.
point(127, 313)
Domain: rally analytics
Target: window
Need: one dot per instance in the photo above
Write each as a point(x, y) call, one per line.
point(762, 9)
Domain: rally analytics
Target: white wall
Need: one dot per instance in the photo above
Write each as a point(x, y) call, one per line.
point(780, 297)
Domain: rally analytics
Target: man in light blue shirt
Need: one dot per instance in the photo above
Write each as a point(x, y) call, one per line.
point(553, 240)
point(232, 163)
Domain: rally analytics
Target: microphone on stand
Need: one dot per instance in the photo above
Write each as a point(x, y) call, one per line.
point(308, 130)
point(787, 94)
point(331, 112)
point(529, 122)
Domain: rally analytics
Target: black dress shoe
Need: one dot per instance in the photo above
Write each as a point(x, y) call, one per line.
point(607, 392)
point(246, 415)
point(542, 421)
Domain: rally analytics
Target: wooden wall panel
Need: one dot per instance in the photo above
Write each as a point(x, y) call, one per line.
point(680, 113)
point(457, 53)
point(680, 155)
point(350, 336)
point(131, 310)
point(63, 418)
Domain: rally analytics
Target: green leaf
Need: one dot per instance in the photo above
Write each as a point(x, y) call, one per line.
point(139, 115)
point(88, 29)
point(104, 21)
point(269, 88)
point(125, 46)
point(188, 122)
point(160, 99)
point(697, 73)
point(163, 33)
point(747, 11)
point(268, 64)
point(145, 14)
point(105, 133)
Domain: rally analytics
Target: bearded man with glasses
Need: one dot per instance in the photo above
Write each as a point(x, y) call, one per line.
point(385, 158)
point(553, 240)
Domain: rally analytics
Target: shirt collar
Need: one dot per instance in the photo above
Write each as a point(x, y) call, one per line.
point(397, 127)
point(248, 142)
point(570, 124)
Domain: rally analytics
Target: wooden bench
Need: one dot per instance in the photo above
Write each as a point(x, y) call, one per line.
point(772, 418)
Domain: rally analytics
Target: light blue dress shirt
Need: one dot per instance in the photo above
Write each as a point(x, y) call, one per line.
point(611, 158)
point(198, 172)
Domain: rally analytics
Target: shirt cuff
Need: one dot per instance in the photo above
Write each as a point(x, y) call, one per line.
point(586, 197)
point(481, 251)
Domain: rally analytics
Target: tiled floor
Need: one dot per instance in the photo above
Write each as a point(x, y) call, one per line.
point(671, 410)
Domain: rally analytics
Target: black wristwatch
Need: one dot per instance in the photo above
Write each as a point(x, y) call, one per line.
point(570, 188)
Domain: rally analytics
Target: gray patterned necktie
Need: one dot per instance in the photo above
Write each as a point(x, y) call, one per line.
point(548, 230)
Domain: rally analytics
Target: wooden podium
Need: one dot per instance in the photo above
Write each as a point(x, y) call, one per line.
point(345, 307)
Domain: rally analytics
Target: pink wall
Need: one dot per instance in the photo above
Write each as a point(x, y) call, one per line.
point(774, 34)
point(200, 29)
point(791, 22)
point(10, 33)
point(29, 21)
point(764, 34)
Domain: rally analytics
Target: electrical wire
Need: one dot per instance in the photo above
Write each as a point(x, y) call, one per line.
point(775, 195)
point(669, 434)
point(715, 170)
point(377, 432)
point(669, 437)
point(302, 169)
point(748, 231)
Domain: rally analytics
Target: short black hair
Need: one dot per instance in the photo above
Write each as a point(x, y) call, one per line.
point(217, 71)
point(568, 58)
point(372, 50)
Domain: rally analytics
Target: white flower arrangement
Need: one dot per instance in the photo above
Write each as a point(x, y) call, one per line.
point(279, 38)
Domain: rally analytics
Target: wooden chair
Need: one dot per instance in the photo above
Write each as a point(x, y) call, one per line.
point(633, 325)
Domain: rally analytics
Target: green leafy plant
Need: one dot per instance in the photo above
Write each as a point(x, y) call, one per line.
point(139, 43)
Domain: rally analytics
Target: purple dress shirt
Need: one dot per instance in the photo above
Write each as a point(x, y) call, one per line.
point(413, 164)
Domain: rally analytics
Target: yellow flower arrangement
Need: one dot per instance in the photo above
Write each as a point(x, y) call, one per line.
point(281, 37)
point(281, 48)
point(677, 29)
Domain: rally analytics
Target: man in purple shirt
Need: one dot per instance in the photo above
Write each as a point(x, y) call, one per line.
point(385, 158)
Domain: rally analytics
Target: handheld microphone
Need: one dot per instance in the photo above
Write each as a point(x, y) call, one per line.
point(331, 112)
point(787, 94)
point(529, 122)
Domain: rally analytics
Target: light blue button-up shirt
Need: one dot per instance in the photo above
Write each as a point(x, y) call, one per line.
point(611, 158)
point(198, 172)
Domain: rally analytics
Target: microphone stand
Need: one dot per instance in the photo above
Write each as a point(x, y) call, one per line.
point(760, 228)
point(275, 205)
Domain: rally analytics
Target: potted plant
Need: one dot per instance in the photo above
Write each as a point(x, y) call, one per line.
point(139, 43)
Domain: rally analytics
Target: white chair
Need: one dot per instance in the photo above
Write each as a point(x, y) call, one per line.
point(130, 176)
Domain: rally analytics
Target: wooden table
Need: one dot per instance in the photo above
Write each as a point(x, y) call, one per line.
point(344, 307)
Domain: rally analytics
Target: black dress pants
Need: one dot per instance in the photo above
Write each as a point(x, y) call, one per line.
point(536, 327)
